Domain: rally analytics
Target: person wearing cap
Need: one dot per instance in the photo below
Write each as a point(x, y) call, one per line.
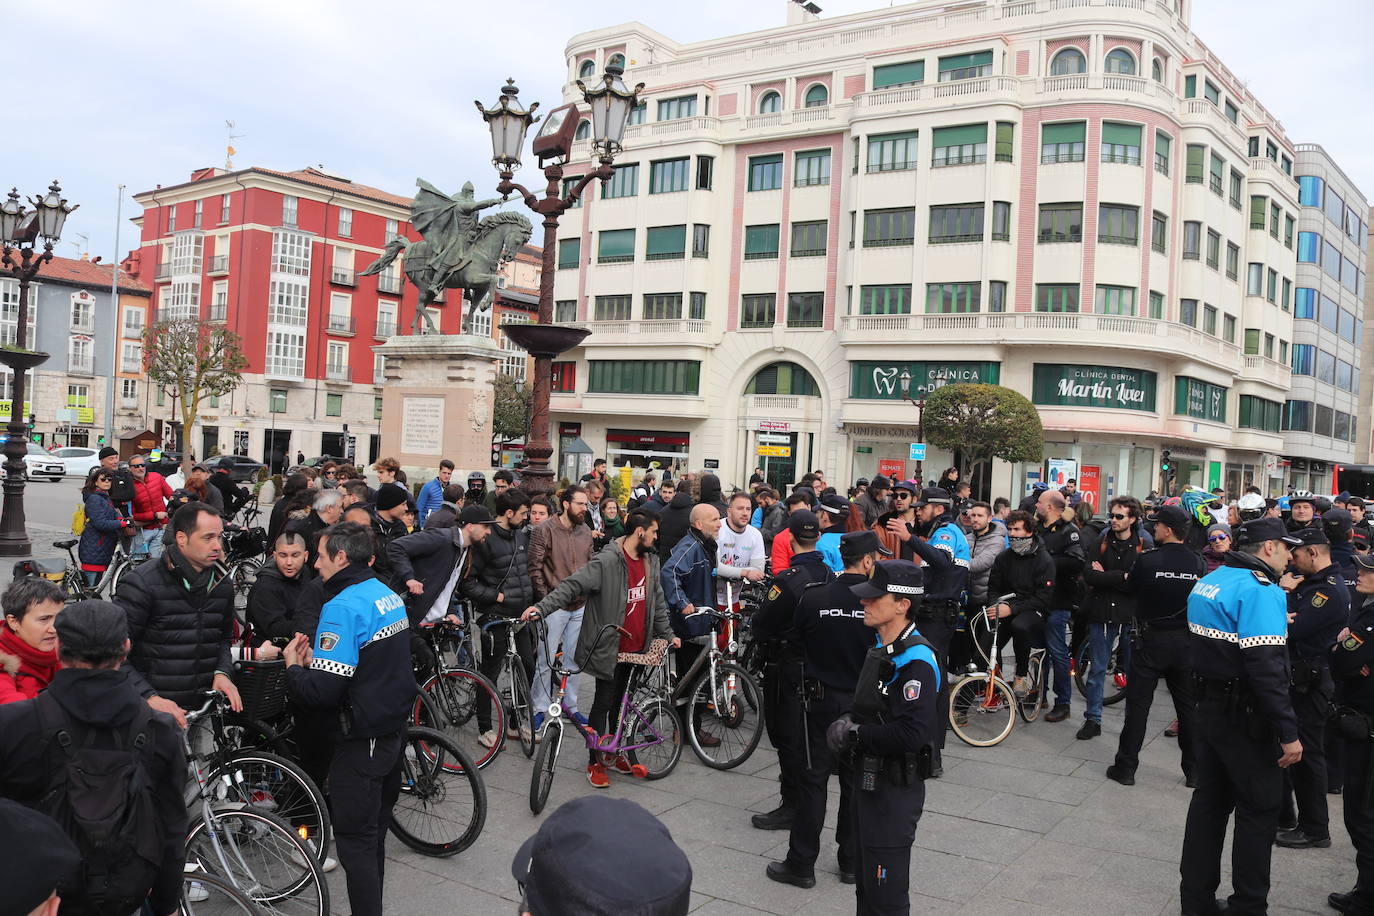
point(430, 564)
point(40, 859)
point(830, 625)
point(1352, 660)
point(122, 482)
point(890, 736)
point(1218, 543)
point(358, 669)
point(1318, 607)
point(600, 856)
point(831, 513)
point(775, 632)
point(1247, 733)
point(235, 496)
point(1065, 546)
point(1302, 510)
point(873, 502)
point(894, 526)
point(93, 700)
point(1162, 578)
point(1339, 527)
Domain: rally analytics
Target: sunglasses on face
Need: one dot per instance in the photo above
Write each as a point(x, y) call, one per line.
point(1218, 537)
point(1120, 516)
point(901, 496)
point(135, 467)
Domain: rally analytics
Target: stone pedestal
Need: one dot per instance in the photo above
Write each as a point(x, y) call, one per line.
point(437, 402)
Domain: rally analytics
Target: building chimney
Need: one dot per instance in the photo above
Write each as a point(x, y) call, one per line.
point(800, 11)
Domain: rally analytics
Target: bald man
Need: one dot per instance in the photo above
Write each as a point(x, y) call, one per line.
point(688, 584)
point(1065, 547)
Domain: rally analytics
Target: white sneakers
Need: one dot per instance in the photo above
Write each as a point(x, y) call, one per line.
point(488, 738)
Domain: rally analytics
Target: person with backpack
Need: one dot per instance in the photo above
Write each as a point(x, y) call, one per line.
point(92, 755)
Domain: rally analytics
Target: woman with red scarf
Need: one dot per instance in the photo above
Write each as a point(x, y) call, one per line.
point(28, 638)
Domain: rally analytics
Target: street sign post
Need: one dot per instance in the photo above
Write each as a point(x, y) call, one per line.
point(774, 451)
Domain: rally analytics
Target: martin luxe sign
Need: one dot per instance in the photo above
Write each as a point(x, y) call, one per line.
point(1059, 385)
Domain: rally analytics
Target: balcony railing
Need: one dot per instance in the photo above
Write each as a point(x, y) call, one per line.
point(385, 329)
point(219, 264)
point(164, 271)
point(337, 373)
point(388, 284)
point(343, 276)
point(130, 365)
point(133, 332)
point(128, 403)
point(629, 332)
point(219, 312)
point(81, 366)
point(341, 324)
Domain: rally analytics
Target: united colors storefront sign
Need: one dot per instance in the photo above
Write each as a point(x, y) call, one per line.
point(1062, 385)
point(883, 381)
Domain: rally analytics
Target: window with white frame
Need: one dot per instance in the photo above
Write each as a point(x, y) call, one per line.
point(286, 302)
point(378, 369)
point(78, 395)
point(200, 213)
point(9, 313)
point(83, 312)
point(219, 300)
point(182, 300)
point(516, 360)
point(285, 354)
point(133, 322)
point(80, 354)
point(188, 249)
point(345, 222)
point(340, 309)
point(481, 323)
point(393, 229)
point(128, 392)
point(130, 357)
point(289, 208)
point(386, 318)
point(336, 360)
point(6, 383)
point(224, 208)
point(291, 253)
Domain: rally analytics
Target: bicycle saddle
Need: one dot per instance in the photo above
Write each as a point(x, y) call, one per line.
point(65, 545)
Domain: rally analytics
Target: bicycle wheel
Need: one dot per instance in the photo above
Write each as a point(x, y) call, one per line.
point(206, 895)
point(658, 727)
point(443, 802)
point(453, 711)
point(275, 784)
point(1113, 684)
point(726, 709)
point(541, 778)
point(522, 713)
point(243, 574)
point(982, 709)
point(259, 854)
point(1033, 702)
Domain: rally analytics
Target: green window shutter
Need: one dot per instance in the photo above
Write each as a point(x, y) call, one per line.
point(1163, 145)
point(1121, 134)
point(1218, 167)
point(964, 61)
point(913, 71)
point(1189, 87)
point(759, 240)
point(569, 252)
point(616, 243)
point(1006, 132)
point(666, 240)
point(958, 136)
point(1072, 132)
point(1196, 154)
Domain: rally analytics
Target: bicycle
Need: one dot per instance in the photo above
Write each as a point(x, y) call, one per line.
point(983, 707)
point(252, 849)
point(430, 764)
point(205, 895)
point(453, 687)
point(245, 550)
point(74, 580)
point(652, 753)
point(1118, 659)
point(517, 684)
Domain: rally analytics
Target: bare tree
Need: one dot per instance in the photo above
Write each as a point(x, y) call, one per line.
point(191, 360)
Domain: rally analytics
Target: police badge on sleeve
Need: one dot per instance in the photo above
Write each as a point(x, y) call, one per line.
point(328, 641)
point(911, 691)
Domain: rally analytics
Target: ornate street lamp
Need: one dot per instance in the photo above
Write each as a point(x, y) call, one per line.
point(19, 259)
point(920, 405)
point(610, 103)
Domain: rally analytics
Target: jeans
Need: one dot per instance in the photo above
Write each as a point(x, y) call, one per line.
point(148, 540)
point(1100, 639)
point(562, 626)
point(1057, 643)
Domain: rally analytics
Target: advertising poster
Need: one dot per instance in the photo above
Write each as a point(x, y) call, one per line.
point(892, 468)
point(1090, 484)
point(1061, 471)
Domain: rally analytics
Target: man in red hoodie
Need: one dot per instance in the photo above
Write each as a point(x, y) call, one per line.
point(151, 492)
point(28, 639)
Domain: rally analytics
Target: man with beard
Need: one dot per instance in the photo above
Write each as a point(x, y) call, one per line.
point(896, 524)
point(1064, 545)
point(559, 547)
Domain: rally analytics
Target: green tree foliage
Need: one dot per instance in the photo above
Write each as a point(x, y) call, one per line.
point(191, 360)
point(510, 410)
point(984, 422)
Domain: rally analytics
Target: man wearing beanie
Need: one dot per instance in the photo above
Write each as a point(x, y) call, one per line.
point(388, 524)
point(122, 484)
point(94, 703)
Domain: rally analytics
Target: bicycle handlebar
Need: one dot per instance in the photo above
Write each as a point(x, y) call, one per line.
point(515, 623)
point(214, 698)
point(561, 671)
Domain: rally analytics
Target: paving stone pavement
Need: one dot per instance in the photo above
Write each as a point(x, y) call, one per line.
point(1032, 826)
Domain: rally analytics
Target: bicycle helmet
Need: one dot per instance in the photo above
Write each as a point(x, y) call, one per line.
point(1251, 506)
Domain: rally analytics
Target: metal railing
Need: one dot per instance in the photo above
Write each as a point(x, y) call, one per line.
point(388, 284)
point(385, 328)
point(219, 264)
point(341, 323)
point(344, 276)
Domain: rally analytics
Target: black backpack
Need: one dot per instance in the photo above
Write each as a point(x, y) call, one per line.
point(102, 797)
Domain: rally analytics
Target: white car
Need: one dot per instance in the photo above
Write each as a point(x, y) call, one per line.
point(39, 463)
point(78, 460)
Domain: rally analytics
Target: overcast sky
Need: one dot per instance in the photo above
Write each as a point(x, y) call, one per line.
point(137, 94)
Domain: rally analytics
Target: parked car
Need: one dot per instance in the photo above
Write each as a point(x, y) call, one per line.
point(39, 464)
point(244, 469)
point(320, 461)
point(77, 460)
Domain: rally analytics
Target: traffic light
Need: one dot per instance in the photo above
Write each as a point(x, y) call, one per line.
point(1164, 463)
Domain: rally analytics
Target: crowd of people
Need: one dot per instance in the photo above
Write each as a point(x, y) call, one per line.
point(872, 599)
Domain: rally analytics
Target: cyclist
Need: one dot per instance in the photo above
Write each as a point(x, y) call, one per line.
point(1026, 571)
point(620, 586)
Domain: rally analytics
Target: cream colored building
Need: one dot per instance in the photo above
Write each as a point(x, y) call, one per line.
point(1072, 198)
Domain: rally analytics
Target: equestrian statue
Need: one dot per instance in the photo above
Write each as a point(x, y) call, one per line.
point(456, 251)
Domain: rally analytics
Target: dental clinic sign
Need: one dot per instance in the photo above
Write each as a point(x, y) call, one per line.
point(1059, 385)
point(875, 380)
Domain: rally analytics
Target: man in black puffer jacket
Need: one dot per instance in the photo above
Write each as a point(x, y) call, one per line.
point(181, 617)
point(1065, 546)
point(276, 596)
point(1110, 602)
point(499, 586)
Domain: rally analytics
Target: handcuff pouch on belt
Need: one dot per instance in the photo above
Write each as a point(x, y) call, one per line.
point(947, 610)
point(1352, 724)
point(900, 770)
point(1305, 674)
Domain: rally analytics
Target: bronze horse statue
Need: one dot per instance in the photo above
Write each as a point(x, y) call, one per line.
point(451, 256)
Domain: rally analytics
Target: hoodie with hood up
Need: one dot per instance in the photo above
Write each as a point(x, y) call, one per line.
point(673, 523)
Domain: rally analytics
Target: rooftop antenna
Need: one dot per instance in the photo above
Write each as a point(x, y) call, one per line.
point(83, 247)
point(229, 150)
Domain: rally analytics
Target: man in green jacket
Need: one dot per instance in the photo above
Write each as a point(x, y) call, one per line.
point(621, 588)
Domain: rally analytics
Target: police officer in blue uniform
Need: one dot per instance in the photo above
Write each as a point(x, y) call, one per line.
point(890, 735)
point(1318, 607)
point(360, 669)
point(1246, 729)
point(774, 629)
point(1352, 662)
point(830, 623)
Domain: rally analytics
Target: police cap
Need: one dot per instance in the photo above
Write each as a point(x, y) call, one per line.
point(804, 525)
point(1173, 516)
point(935, 496)
point(1338, 523)
point(1364, 561)
point(1311, 537)
point(856, 544)
point(900, 578)
point(835, 505)
point(1258, 530)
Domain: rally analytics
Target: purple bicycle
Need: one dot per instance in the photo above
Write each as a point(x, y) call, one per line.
point(647, 733)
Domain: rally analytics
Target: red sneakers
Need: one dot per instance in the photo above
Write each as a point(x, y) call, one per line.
point(597, 776)
point(621, 764)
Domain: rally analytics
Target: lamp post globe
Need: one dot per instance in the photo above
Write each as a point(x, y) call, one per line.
point(508, 123)
point(12, 214)
point(52, 209)
point(611, 102)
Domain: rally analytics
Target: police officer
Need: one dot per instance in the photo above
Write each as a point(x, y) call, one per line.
point(774, 628)
point(1318, 607)
point(1351, 663)
point(891, 736)
point(1162, 579)
point(360, 669)
point(1237, 622)
point(830, 624)
point(1339, 526)
point(940, 543)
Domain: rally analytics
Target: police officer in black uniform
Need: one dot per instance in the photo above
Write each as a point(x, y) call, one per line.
point(1246, 730)
point(1318, 607)
point(1352, 662)
point(1162, 579)
point(891, 737)
point(830, 624)
point(774, 630)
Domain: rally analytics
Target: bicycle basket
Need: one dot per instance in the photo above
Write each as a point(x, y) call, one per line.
point(654, 655)
point(52, 570)
point(248, 542)
point(262, 686)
